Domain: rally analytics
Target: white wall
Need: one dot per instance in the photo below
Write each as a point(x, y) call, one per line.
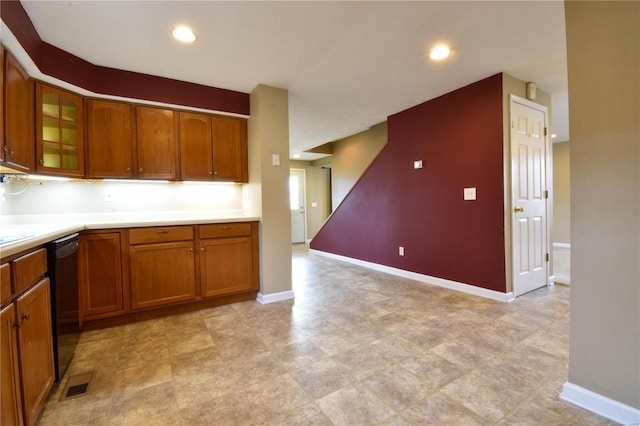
point(603, 57)
point(89, 197)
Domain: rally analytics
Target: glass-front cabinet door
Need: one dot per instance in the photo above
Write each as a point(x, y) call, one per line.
point(59, 124)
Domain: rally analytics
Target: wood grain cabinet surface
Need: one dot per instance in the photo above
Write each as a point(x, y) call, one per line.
point(228, 258)
point(35, 348)
point(19, 146)
point(196, 147)
point(10, 390)
point(110, 143)
point(59, 131)
point(101, 285)
point(230, 149)
point(162, 266)
point(156, 143)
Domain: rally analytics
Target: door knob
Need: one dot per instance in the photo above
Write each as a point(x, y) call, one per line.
point(518, 209)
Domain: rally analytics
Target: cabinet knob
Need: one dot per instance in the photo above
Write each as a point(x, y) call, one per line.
point(18, 324)
point(191, 250)
point(210, 172)
point(128, 169)
point(202, 249)
point(140, 170)
point(41, 161)
point(215, 173)
point(11, 151)
point(6, 148)
point(26, 316)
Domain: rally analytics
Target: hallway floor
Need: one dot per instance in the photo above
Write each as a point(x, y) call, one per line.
point(357, 347)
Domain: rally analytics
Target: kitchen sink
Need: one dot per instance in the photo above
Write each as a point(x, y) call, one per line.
point(6, 239)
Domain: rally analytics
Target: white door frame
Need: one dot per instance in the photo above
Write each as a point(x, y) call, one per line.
point(509, 216)
point(304, 196)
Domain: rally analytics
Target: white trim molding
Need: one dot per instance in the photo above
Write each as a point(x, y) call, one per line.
point(562, 245)
point(274, 297)
point(601, 405)
point(427, 279)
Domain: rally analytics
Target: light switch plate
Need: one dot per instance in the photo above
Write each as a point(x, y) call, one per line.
point(314, 204)
point(469, 193)
point(275, 159)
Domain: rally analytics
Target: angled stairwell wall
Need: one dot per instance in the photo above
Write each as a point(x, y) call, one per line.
point(459, 138)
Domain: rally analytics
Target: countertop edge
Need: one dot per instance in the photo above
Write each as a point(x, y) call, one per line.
point(60, 230)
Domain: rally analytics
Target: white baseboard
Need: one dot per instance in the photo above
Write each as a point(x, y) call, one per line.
point(562, 245)
point(274, 297)
point(440, 282)
point(601, 405)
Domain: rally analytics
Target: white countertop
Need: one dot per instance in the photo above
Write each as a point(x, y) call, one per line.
point(35, 230)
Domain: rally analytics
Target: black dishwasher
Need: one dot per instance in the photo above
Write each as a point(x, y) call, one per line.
point(62, 260)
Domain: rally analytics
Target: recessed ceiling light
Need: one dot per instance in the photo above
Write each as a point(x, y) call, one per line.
point(439, 52)
point(553, 136)
point(183, 34)
point(296, 155)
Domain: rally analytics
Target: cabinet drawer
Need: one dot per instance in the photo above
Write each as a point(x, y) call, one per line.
point(27, 269)
point(5, 284)
point(160, 234)
point(221, 230)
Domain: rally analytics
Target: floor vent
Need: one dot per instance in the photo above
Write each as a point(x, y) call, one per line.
point(79, 385)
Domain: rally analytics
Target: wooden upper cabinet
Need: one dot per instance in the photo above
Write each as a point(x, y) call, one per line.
point(156, 143)
point(19, 149)
point(229, 149)
point(196, 150)
point(110, 142)
point(60, 131)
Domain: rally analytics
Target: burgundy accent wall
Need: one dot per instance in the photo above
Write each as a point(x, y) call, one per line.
point(60, 64)
point(458, 136)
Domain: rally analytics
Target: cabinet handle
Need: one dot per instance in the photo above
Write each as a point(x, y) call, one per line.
point(41, 161)
point(202, 249)
point(191, 249)
point(26, 316)
point(210, 172)
point(128, 169)
point(226, 227)
point(162, 231)
point(18, 324)
point(140, 170)
point(215, 173)
point(6, 148)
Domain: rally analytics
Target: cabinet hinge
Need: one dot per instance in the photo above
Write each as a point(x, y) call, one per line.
point(545, 131)
point(547, 257)
point(546, 195)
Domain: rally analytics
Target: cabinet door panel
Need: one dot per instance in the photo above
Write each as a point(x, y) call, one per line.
point(11, 404)
point(156, 143)
point(229, 149)
point(161, 274)
point(18, 126)
point(100, 274)
point(60, 131)
point(35, 348)
point(226, 266)
point(110, 143)
point(196, 151)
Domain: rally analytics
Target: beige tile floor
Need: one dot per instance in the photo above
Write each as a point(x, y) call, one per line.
point(357, 347)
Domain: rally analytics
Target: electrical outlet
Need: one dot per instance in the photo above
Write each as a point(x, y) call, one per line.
point(401, 251)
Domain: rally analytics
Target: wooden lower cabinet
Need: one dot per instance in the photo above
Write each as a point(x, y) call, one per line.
point(225, 266)
point(11, 404)
point(162, 274)
point(35, 348)
point(101, 285)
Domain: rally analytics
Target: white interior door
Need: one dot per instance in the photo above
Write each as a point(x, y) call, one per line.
point(529, 189)
point(296, 204)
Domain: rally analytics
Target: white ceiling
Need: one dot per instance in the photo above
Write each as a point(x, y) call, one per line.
point(346, 65)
